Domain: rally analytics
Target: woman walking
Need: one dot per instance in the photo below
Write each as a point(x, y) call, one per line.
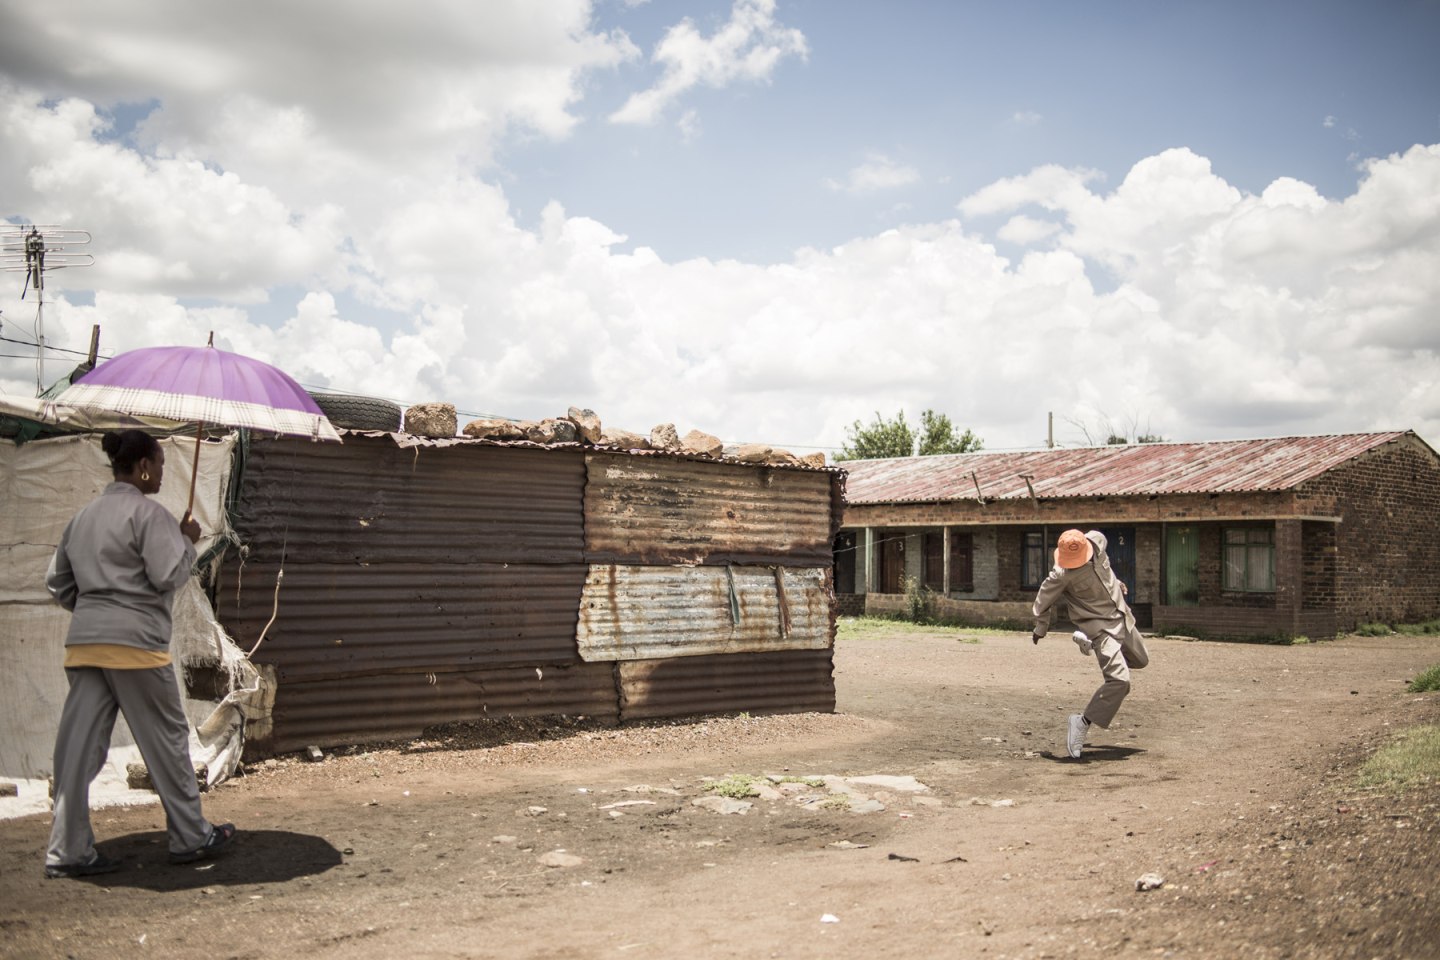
point(118, 565)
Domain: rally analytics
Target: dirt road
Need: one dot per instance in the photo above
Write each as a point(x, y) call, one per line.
point(1228, 773)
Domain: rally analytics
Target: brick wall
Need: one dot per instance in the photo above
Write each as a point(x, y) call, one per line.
point(1149, 548)
point(1386, 564)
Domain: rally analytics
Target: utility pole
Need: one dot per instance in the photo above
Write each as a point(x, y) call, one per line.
point(1050, 435)
point(36, 252)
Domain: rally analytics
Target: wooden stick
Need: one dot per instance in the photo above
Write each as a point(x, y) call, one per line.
point(195, 468)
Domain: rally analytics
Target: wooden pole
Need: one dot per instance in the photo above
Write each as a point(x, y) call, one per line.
point(195, 468)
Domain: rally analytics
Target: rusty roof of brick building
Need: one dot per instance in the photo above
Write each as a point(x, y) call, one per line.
point(1224, 466)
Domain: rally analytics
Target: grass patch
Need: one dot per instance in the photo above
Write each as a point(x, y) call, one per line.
point(1429, 680)
point(1373, 630)
point(739, 786)
point(837, 802)
point(861, 628)
point(736, 786)
point(1411, 761)
point(1429, 628)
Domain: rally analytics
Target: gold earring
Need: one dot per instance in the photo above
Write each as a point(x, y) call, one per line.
point(145, 476)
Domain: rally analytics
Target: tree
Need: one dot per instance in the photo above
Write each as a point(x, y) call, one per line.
point(896, 438)
point(937, 435)
point(883, 438)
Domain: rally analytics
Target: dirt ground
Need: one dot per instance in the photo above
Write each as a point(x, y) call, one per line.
point(1229, 773)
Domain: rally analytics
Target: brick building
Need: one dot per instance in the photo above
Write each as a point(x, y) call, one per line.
point(1292, 536)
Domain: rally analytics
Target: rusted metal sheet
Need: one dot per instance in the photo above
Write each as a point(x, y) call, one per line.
point(347, 620)
point(659, 510)
point(371, 501)
point(644, 613)
point(788, 681)
point(402, 705)
point(1232, 466)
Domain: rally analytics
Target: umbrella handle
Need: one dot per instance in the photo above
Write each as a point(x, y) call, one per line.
point(194, 470)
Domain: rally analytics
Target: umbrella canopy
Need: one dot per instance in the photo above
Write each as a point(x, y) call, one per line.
point(201, 384)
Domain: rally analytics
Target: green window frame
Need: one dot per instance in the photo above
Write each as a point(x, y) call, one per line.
point(1248, 559)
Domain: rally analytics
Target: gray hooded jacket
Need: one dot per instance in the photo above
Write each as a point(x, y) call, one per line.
point(1094, 595)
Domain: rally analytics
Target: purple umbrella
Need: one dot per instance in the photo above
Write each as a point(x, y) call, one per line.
point(201, 384)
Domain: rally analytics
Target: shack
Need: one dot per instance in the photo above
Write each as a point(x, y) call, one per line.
point(428, 581)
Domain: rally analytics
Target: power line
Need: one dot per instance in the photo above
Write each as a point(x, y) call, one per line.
point(27, 343)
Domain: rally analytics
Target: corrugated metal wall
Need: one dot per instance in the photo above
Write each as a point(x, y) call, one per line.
point(399, 705)
point(428, 583)
point(789, 681)
point(371, 501)
point(351, 621)
point(663, 511)
point(643, 613)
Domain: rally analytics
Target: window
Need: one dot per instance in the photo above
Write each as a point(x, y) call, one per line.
point(1034, 565)
point(962, 562)
point(1249, 560)
point(933, 546)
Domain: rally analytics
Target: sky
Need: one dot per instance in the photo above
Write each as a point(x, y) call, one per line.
point(763, 219)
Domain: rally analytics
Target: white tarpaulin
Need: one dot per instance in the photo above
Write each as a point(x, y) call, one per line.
point(43, 484)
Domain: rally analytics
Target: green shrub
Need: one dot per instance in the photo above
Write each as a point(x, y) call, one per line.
point(1429, 628)
point(1374, 630)
point(1429, 680)
point(919, 600)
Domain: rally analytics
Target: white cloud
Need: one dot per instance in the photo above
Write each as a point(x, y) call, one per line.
point(1026, 118)
point(1173, 296)
point(1023, 230)
point(1329, 121)
point(747, 48)
point(876, 173)
point(689, 126)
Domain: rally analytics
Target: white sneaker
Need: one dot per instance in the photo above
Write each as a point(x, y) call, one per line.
point(1075, 734)
point(1083, 642)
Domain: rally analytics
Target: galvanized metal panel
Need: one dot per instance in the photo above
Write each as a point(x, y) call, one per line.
point(351, 620)
point(642, 613)
point(403, 705)
point(371, 501)
point(790, 681)
point(1133, 469)
point(661, 510)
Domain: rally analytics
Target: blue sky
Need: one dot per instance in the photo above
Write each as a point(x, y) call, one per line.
point(968, 93)
point(765, 219)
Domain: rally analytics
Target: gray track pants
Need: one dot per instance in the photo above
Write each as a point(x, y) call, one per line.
point(1116, 659)
point(150, 701)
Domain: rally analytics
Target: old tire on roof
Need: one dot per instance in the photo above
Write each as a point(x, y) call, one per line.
point(359, 413)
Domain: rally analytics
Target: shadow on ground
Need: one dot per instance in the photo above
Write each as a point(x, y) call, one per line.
point(258, 856)
point(1095, 755)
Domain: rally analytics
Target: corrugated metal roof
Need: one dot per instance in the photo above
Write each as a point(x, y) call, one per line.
point(339, 620)
point(650, 510)
point(370, 500)
point(401, 705)
point(787, 681)
point(642, 613)
point(1230, 466)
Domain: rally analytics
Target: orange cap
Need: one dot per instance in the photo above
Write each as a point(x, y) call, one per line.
point(1074, 550)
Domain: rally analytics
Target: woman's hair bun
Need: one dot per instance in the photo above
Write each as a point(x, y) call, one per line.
point(127, 448)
